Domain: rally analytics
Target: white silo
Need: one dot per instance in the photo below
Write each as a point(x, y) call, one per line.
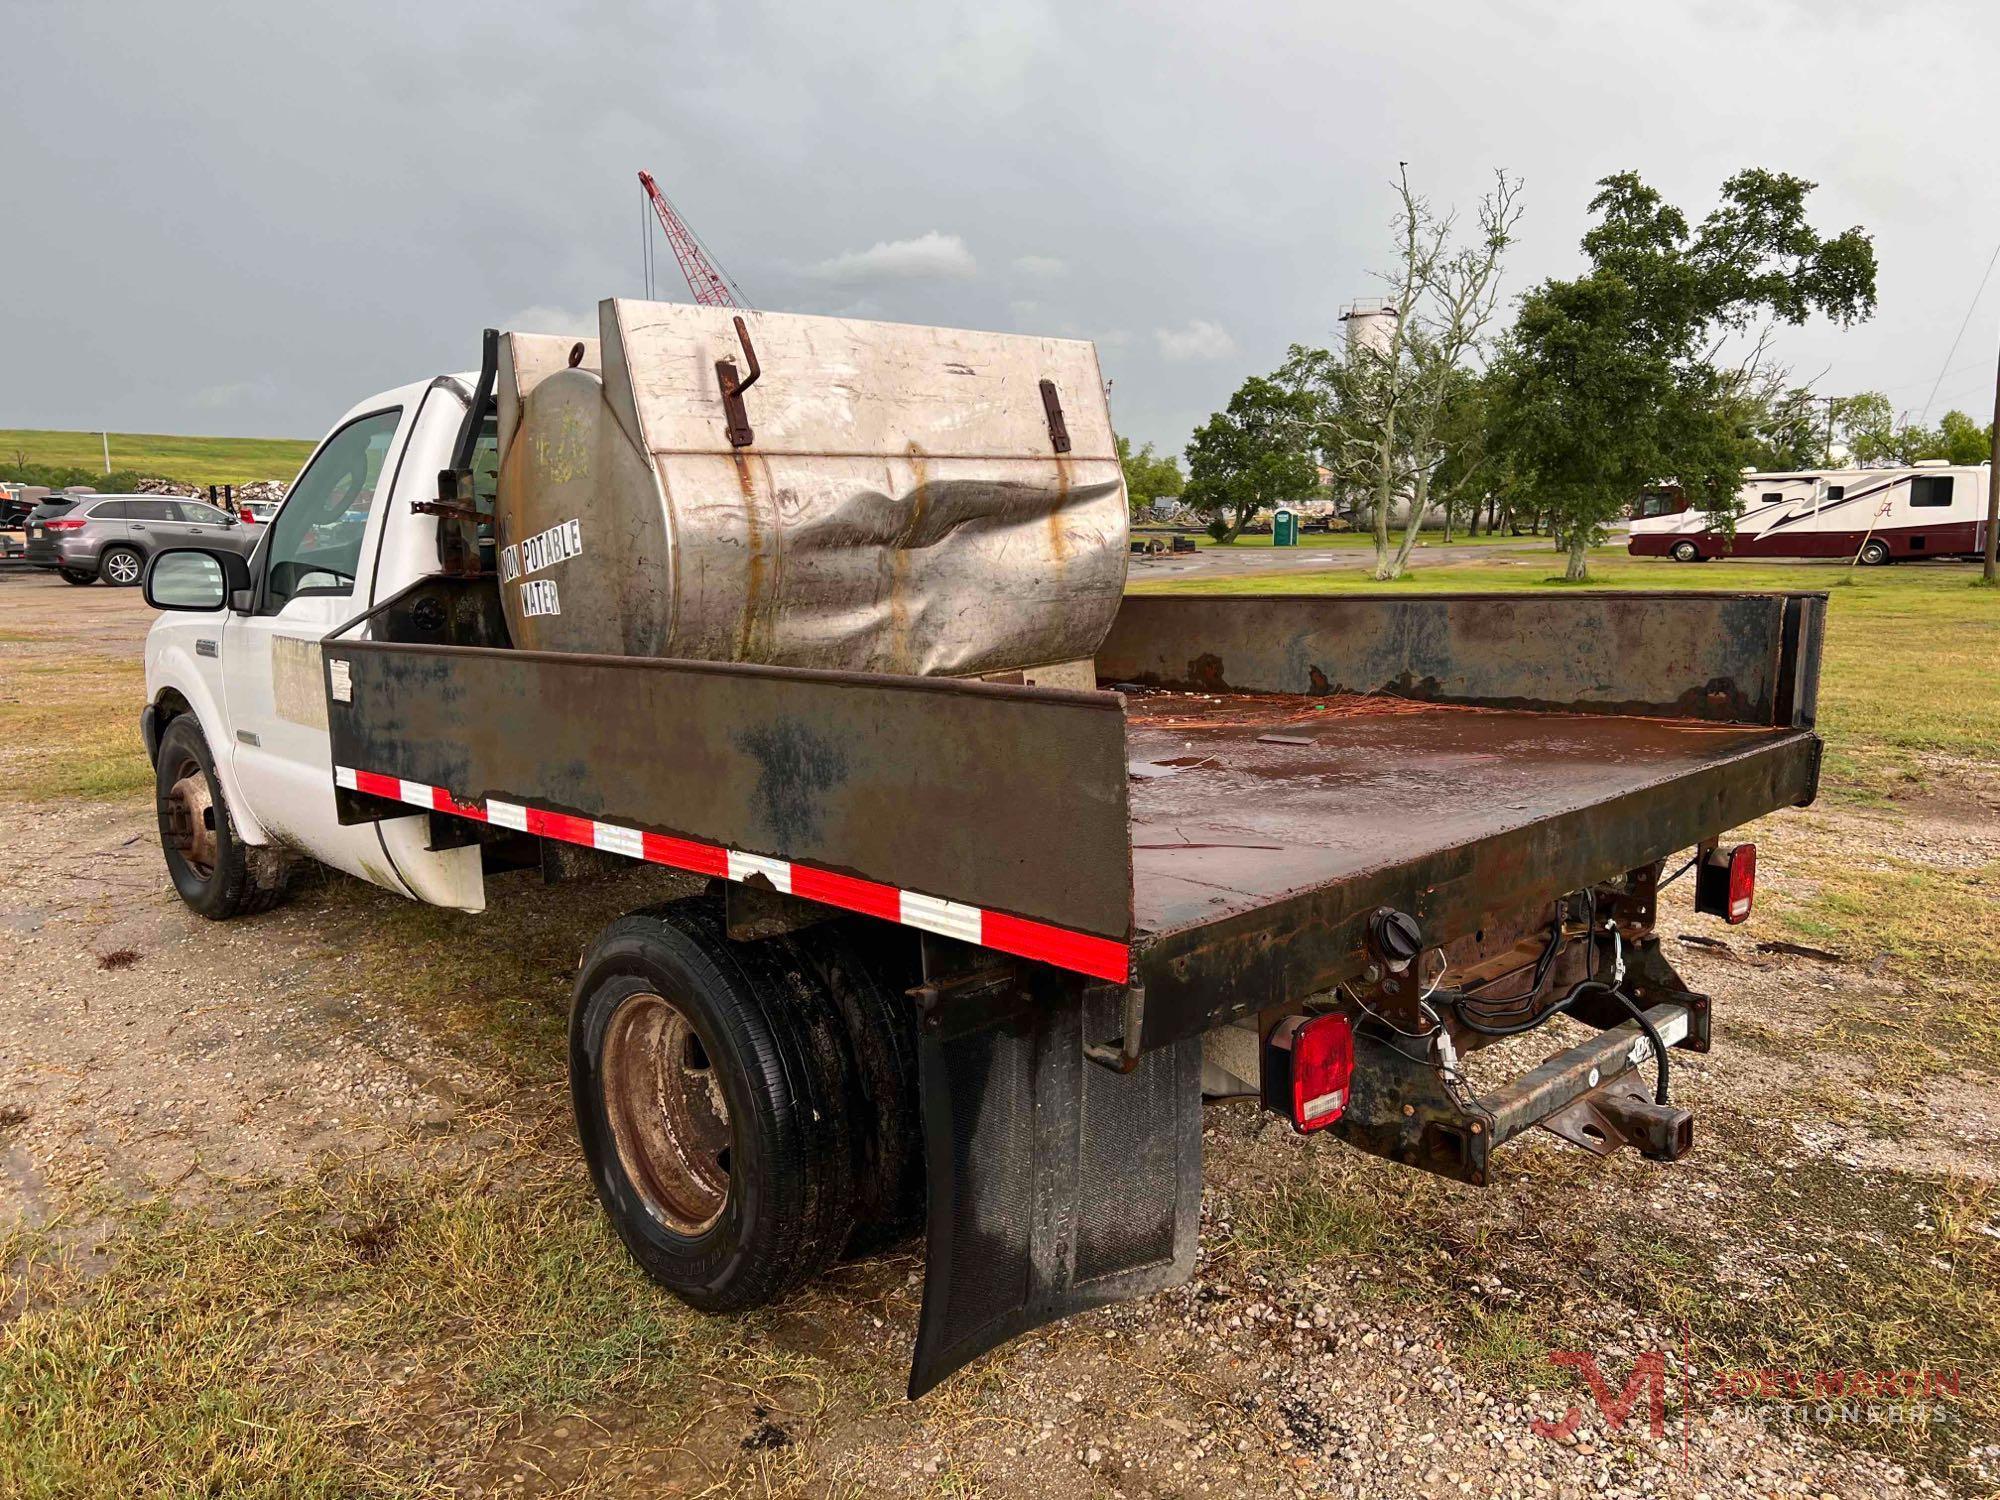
point(1371, 324)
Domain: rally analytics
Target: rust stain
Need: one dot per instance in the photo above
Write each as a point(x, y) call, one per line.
point(1057, 525)
point(1154, 708)
point(1205, 672)
point(900, 622)
point(755, 584)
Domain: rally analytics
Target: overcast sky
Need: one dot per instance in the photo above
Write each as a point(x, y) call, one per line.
point(241, 219)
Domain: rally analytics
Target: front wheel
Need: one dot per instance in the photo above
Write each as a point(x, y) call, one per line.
point(711, 1084)
point(121, 567)
point(1686, 552)
point(215, 872)
point(1874, 552)
point(77, 576)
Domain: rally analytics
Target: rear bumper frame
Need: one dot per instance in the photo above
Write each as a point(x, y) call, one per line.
point(1403, 1107)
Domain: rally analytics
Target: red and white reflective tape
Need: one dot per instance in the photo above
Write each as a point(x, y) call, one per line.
point(1101, 958)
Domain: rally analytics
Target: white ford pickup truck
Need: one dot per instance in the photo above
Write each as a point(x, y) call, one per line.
point(1006, 870)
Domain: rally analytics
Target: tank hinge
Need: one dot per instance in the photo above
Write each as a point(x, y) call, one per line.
point(460, 518)
point(1058, 429)
point(734, 411)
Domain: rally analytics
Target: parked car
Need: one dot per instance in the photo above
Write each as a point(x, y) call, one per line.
point(112, 536)
point(258, 512)
point(17, 500)
point(50, 505)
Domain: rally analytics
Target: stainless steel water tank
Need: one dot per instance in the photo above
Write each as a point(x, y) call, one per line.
point(902, 504)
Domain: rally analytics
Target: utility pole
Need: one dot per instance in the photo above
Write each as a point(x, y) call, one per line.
point(107, 451)
point(1826, 453)
point(1992, 572)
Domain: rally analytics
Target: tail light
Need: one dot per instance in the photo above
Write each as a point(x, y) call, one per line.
point(245, 517)
point(75, 524)
point(1309, 1069)
point(1725, 883)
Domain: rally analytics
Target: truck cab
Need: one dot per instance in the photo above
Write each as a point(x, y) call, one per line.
point(249, 673)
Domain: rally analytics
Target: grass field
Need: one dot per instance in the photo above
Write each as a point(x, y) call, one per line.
point(1312, 540)
point(191, 460)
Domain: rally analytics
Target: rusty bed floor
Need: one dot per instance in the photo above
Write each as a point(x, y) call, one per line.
point(1238, 800)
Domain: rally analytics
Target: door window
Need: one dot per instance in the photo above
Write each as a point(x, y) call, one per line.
point(194, 512)
point(152, 510)
point(315, 542)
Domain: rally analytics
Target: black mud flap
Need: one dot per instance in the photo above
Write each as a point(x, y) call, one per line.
point(1056, 1184)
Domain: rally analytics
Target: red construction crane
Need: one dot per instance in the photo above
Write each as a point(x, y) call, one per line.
point(711, 286)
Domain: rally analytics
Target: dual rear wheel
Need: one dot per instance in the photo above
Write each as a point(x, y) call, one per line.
point(747, 1109)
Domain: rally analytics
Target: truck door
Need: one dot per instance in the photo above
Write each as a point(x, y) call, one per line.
point(310, 578)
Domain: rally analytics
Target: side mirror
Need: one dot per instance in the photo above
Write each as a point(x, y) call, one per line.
point(195, 579)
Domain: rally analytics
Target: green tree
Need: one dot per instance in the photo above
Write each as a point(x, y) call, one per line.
point(1468, 476)
point(1149, 476)
point(1609, 382)
point(1867, 426)
point(1872, 434)
point(1251, 455)
point(1961, 440)
point(1788, 431)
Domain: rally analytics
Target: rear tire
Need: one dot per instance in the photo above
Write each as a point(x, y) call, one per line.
point(76, 576)
point(1874, 552)
point(121, 567)
point(1686, 552)
point(215, 872)
point(868, 969)
point(712, 1092)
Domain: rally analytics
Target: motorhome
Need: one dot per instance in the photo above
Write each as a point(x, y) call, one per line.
point(1932, 509)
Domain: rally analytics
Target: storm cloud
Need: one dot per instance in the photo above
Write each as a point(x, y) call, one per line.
point(241, 218)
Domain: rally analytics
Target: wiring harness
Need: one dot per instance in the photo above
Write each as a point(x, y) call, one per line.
point(1513, 1015)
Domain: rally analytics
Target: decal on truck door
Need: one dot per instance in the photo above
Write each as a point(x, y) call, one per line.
point(297, 688)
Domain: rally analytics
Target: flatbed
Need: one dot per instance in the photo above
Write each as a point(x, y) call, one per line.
point(1232, 795)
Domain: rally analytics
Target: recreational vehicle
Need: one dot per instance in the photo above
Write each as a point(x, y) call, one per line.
point(1875, 515)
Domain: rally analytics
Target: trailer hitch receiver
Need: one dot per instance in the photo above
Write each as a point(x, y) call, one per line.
point(1622, 1113)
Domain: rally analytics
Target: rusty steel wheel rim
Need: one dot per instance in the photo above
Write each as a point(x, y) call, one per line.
point(191, 818)
point(669, 1119)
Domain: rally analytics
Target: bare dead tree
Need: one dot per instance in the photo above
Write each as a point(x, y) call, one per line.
point(1384, 411)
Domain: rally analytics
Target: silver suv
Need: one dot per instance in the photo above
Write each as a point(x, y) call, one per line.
point(112, 536)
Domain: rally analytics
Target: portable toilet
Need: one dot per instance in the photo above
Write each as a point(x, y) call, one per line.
point(1285, 527)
